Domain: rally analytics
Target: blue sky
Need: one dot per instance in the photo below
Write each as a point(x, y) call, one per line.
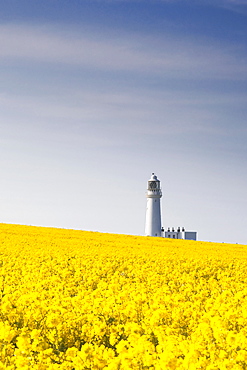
point(96, 95)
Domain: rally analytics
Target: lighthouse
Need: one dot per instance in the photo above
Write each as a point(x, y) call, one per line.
point(153, 213)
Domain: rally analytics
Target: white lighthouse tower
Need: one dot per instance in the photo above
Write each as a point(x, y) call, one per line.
point(153, 214)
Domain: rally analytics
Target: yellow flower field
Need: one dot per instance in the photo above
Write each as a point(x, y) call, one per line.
point(86, 300)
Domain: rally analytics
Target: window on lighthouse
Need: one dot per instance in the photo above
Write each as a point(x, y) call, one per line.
point(152, 185)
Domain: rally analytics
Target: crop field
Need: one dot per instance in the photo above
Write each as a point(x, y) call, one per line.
point(86, 300)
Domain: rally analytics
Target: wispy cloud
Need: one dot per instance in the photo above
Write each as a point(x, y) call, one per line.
point(126, 109)
point(200, 58)
point(239, 6)
point(233, 2)
point(126, 113)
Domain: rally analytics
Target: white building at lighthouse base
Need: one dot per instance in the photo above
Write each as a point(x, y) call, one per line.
point(179, 234)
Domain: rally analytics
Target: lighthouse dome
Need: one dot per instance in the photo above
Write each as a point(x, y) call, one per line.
point(154, 178)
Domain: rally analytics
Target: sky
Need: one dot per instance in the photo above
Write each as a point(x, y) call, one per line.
point(96, 95)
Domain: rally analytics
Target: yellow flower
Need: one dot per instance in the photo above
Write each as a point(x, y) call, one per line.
point(83, 300)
